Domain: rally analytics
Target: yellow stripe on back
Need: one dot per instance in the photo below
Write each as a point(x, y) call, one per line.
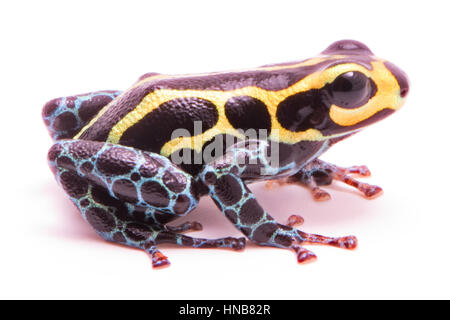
point(271, 99)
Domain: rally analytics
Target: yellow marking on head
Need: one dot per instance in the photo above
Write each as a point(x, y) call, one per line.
point(387, 96)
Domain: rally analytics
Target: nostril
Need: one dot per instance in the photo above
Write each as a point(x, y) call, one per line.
point(404, 92)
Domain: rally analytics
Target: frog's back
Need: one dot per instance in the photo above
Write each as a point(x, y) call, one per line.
point(147, 115)
point(154, 86)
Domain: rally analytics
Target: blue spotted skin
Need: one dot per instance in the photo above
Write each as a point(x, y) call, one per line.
point(127, 208)
point(65, 116)
point(142, 172)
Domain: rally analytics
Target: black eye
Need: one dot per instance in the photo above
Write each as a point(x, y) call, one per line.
point(350, 90)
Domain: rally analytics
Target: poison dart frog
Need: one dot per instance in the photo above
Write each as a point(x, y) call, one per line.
point(117, 156)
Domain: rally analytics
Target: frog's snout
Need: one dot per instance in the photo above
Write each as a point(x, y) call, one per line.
point(401, 77)
point(403, 82)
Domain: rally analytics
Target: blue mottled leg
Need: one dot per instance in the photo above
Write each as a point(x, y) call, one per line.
point(128, 195)
point(225, 180)
point(65, 116)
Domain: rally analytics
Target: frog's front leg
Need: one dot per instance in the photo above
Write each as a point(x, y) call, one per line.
point(128, 195)
point(225, 179)
point(320, 173)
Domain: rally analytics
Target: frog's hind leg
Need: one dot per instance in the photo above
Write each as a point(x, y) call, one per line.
point(226, 179)
point(128, 195)
point(320, 173)
point(65, 116)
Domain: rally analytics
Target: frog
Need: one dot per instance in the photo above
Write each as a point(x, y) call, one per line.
point(117, 158)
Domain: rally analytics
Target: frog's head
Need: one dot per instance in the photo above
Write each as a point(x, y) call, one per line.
point(348, 88)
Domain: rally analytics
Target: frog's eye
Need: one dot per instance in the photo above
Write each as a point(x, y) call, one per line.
point(350, 90)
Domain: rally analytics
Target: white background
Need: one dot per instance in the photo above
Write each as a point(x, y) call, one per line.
point(52, 49)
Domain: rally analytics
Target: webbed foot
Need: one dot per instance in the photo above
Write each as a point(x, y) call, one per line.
point(159, 260)
point(304, 255)
point(320, 173)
